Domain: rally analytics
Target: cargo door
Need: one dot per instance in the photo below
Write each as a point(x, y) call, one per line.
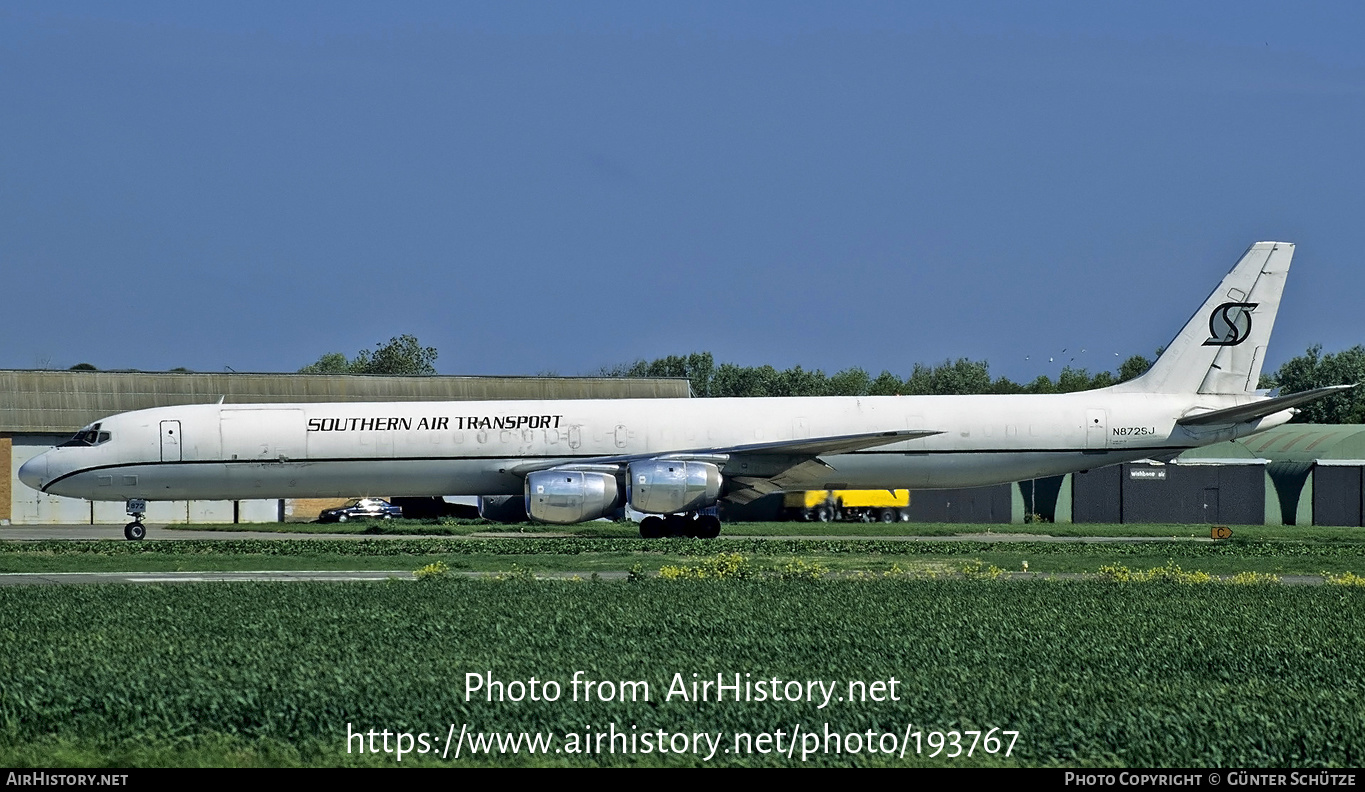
point(170, 441)
point(263, 434)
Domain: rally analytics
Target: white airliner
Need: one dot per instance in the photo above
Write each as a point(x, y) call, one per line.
point(577, 460)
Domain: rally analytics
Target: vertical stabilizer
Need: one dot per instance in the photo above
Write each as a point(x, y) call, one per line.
point(1222, 348)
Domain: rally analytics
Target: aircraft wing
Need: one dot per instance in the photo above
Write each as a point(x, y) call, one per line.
point(752, 469)
point(1260, 409)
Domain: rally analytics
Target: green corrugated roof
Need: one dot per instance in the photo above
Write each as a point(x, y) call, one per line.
point(63, 401)
point(1220, 451)
point(1291, 443)
point(1307, 442)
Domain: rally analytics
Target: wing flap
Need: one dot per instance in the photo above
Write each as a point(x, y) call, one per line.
point(747, 489)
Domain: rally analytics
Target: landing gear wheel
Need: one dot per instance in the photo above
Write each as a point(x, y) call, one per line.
point(677, 525)
point(888, 515)
point(708, 526)
point(651, 528)
point(135, 530)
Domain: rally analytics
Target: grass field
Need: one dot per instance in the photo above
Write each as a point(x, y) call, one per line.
point(625, 530)
point(1275, 555)
point(1089, 673)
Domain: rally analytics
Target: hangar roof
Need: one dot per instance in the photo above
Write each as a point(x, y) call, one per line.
point(1297, 443)
point(64, 401)
point(1219, 451)
point(1308, 442)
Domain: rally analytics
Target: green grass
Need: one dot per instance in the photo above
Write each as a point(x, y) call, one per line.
point(37, 563)
point(1090, 673)
point(447, 527)
point(576, 554)
point(610, 530)
point(603, 562)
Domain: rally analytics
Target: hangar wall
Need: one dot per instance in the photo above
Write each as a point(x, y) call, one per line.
point(997, 504)
point(1097, 495)
point(1046, 499)
point(308, 509)
point(1338, 494)
point(1229, 491)
point(6, 478)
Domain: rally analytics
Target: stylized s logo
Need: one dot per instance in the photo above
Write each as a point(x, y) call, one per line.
point(1230, 324)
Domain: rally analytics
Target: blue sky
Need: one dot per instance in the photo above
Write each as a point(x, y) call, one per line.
point(555, 187)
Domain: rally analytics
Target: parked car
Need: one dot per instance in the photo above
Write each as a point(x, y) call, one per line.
point(361, 509)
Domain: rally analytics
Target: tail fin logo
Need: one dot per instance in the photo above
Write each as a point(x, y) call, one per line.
point(1230, 324)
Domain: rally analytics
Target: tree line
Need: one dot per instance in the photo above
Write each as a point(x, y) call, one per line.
point(951, 377)
point(1310, 370)
point(1316, 370)
point(405, 356)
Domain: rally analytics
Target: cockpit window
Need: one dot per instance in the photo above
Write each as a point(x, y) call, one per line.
point(89, 436)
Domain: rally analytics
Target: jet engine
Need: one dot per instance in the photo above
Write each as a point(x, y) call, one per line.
point(503, 508)
point(570, 496)
point(669, 486)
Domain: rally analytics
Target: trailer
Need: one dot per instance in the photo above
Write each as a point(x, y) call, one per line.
point(847, 505)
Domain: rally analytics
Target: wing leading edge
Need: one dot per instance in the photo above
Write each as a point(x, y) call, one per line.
point(752, 469)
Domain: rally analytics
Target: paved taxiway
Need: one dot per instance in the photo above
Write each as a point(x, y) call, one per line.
point(286, 576)
point(88, 533)
point(36, 533)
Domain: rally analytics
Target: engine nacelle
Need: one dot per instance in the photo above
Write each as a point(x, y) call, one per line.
point(570, 496)
point(503, 508)
point(669, 486)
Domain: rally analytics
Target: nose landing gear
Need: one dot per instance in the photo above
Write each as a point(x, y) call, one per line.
point(135, 530)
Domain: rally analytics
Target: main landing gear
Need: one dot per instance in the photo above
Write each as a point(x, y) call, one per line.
point(699, 526)
point(135, 531)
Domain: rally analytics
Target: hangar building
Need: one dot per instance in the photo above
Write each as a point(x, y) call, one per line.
point(40, 409)
point(1297, 474)
point(1317, 472)
point(1223, 483)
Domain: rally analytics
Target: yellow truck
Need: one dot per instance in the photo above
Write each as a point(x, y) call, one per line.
point(848, 505)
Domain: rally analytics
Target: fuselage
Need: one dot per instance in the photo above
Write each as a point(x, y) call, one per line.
point(232, 452)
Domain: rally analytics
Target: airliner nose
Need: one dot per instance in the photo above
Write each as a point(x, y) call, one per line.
point(34, 472)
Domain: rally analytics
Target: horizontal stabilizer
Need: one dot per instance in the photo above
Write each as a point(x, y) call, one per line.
point(1260, 409)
